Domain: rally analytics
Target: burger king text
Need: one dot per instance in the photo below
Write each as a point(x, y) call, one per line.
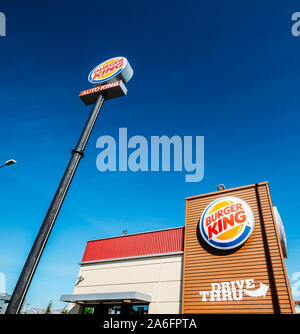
point(218, 221)
point(226, 223)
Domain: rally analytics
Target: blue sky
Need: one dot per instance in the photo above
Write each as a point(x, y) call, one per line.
point(228, 71)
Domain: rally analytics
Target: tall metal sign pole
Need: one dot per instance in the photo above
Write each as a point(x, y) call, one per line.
point(109, 79)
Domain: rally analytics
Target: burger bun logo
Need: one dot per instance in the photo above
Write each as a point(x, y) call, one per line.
point(226, 223)
point(111, 70)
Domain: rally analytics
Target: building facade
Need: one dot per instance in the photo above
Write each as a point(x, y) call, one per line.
point(228, 258)
point(138, 273)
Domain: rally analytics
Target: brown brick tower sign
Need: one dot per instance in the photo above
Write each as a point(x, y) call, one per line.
point(233, 254)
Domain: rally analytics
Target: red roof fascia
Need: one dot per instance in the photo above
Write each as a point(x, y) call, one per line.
point(149, 243)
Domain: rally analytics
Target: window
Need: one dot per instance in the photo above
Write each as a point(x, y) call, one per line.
point(88, 310)
point(139, 309)
point(115, 309)
point(121, 308)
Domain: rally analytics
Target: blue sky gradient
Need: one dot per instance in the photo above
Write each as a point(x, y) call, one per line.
point(228, 71)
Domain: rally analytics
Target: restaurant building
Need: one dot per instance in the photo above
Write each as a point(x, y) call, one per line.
point(228, 258)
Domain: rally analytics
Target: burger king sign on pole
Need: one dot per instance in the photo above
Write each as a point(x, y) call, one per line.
point(109, 78)
point(226, 223)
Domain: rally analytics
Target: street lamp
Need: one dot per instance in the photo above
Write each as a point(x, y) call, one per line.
point(9, 162)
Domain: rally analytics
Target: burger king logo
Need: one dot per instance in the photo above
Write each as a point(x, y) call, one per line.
point(226, 223)
point(108, 70)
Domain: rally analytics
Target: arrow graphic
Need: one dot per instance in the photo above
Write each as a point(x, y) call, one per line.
point(261, 291)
